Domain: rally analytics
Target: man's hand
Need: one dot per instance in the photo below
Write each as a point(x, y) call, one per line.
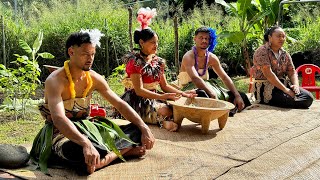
point(238, 101)
point(147, 138)
point(91, 155)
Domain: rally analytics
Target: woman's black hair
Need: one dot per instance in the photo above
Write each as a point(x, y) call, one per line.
point(77, 38)
point(145, 35)
point(269, 31)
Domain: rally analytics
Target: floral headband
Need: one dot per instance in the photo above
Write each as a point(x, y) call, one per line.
point(144, 17)
point(95, 36)
point(213, 39)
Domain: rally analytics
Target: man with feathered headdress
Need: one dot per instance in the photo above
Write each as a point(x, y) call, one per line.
point(194, 71)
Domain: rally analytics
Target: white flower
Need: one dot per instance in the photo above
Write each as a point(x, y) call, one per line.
point(145, 15)
point(95, 36)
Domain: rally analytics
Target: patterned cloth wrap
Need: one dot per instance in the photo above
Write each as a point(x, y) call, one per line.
point(150, 73)
point(280, 66)
point(105, 135)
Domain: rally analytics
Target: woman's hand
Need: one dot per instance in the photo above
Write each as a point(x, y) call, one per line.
point(171, 96)
point(289, 92)
point(295, 89)
point(189, 94)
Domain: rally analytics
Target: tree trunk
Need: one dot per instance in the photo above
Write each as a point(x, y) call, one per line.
point(176, 43)
point(130, 28)
point(106, 50)
point(247, 58)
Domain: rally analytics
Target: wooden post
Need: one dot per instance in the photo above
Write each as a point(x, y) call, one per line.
point(3, 42)
point(15, 3)
point(176, 43)
point(130, 28)
point(107, 48)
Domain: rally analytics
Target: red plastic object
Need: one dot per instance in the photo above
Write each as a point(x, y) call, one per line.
point(95, 110)
point(309, 78)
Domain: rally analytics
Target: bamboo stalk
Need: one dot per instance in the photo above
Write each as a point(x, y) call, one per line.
point(3, 42)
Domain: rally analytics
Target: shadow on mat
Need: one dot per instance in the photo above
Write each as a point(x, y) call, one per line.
point(186, 133)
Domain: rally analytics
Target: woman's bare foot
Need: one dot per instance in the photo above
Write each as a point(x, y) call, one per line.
point(170, 125)
point(136, 151)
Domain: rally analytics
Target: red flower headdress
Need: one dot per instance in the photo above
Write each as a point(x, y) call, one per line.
point(144, 16)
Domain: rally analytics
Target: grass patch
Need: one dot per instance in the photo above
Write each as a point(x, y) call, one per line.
point(20, 131)
point(241, 83)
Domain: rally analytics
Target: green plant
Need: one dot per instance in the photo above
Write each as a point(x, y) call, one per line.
point(250, 16)
point(20, 82)
point(115, 79)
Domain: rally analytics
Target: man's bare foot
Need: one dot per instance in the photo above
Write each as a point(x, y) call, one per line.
point(136, 151)
point(170, 126)
point(103, 162)
point(91, 169)
point(106, 160)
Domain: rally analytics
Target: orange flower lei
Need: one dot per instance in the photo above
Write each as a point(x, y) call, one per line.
point(71, 87)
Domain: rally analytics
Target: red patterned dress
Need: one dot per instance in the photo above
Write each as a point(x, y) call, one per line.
point(150, 73)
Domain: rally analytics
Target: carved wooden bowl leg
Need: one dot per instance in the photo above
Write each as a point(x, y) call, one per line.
point(205, 123)
point(177, 116)
point(223, 120)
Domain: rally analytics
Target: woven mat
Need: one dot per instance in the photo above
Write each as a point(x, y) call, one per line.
point(262, 142)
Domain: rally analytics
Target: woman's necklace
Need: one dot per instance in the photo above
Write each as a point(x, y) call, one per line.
point(196, 62)
point(71, 86)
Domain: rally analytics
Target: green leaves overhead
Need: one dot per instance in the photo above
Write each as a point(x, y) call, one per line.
point(46, 55)
point(25, 46)
point(223, 3)
point(38, 42)
point(242, 6)
point(251, 15)
point(234, 37)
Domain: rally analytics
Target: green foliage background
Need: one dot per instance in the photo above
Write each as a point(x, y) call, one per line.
point(58, 18)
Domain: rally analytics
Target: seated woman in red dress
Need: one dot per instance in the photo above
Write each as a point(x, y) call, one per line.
point(145, 73)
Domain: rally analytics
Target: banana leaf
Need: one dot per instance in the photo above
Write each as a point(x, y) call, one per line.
point(221, 93)
point(108, 140)
point(41, 149)
point(92, 132)
point(114, 127)
point(103, 132)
